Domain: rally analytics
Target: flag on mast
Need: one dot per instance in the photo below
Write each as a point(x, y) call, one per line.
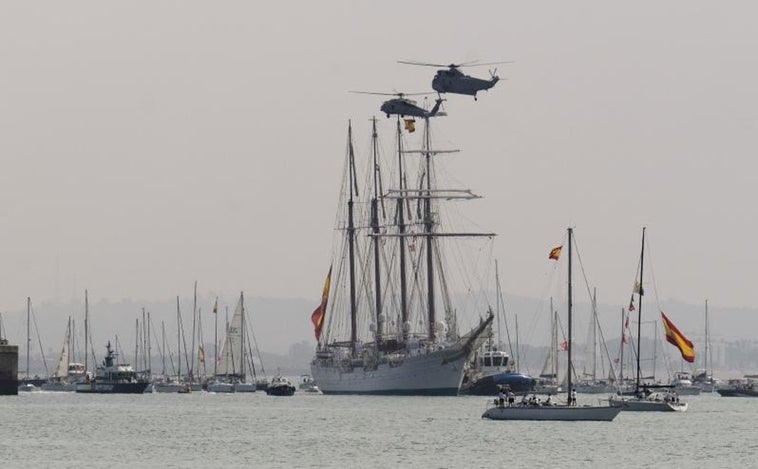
point(317, 318)
point(215, 307)
point(677, 339)
point(555, 253)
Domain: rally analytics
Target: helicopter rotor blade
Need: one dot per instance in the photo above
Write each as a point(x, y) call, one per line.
point(476, 64)
point(398, 94)
point(424, 64)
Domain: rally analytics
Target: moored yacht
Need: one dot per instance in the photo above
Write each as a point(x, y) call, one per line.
point(113, 378)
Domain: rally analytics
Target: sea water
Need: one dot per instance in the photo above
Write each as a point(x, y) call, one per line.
point(207, 430)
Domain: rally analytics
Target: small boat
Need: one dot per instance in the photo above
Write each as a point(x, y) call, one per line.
point(568, 411)
point(280, 386)
point(308, 385)
point(745, 387)
point(491, 372)
point(27, 387)
point(649, 402)
point(683, 385)
point(220, 387)
point(168, 386)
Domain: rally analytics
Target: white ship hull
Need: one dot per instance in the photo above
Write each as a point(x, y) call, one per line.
point(436, 373)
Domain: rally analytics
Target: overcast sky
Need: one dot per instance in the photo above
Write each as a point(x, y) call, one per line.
point(148, 144)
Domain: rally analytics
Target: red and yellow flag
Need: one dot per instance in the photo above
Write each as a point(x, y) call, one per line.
point(317, 318)
point(676, 338)
point(555, 253)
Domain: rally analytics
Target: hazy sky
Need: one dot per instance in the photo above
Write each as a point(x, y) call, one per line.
point(148, 144)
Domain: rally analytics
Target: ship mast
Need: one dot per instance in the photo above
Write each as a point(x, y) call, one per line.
point(351, 236)
point(428, 228)
point(401, 239)
point(375, 230)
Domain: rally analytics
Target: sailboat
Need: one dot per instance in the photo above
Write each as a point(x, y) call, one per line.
point(703, 378)
point(590, 383)
point(569, 411)
point(382, 332)
point(644, 398)
point(28, 383)
point(66, 373)
point(231, 372)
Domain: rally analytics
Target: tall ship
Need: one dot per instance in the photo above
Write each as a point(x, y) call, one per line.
point(387, 323)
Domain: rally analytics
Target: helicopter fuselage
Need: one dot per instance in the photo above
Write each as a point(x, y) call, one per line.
point(453, 81)
point(405, 107)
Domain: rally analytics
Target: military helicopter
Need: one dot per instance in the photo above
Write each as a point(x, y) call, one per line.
point(452, 80)
point(403, 106)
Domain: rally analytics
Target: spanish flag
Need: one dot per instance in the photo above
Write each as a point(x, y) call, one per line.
point(676, 338)
point(317, 318)
point(201, 354)
point(555, 253)
point(410, 125)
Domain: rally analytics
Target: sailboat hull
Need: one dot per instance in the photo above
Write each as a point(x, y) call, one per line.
point(564, 413)
point(647, 405)
point(437, 373)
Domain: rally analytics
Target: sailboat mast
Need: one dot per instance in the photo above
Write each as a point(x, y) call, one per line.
point(707, 338)
point(149, 349)
point(497, 301)
point(639, 309)
point(621, 357)
point(28, 337)
point(401, 238)
point(194, 318)
point(351, 237)
point(375, 229)
point(428, 227)
point(178, 339)
point(86, 332)
point(163, 347)
point(570, 345)
point(215, 337)
point(242, 338)
point(594, 334)
point(553, 341)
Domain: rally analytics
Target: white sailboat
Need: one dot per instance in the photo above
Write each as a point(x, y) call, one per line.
point(569, 411)
point(67, 373)
point(231, 375)
point(703, 378)
point(391, 326)
point(645, 398)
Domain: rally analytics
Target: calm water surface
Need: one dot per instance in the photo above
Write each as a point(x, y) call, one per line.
point(256, 430)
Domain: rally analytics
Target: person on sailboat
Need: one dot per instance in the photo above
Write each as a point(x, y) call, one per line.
point(572, 399)
point(511, 398)
point(549, 400)
point(501, 398)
